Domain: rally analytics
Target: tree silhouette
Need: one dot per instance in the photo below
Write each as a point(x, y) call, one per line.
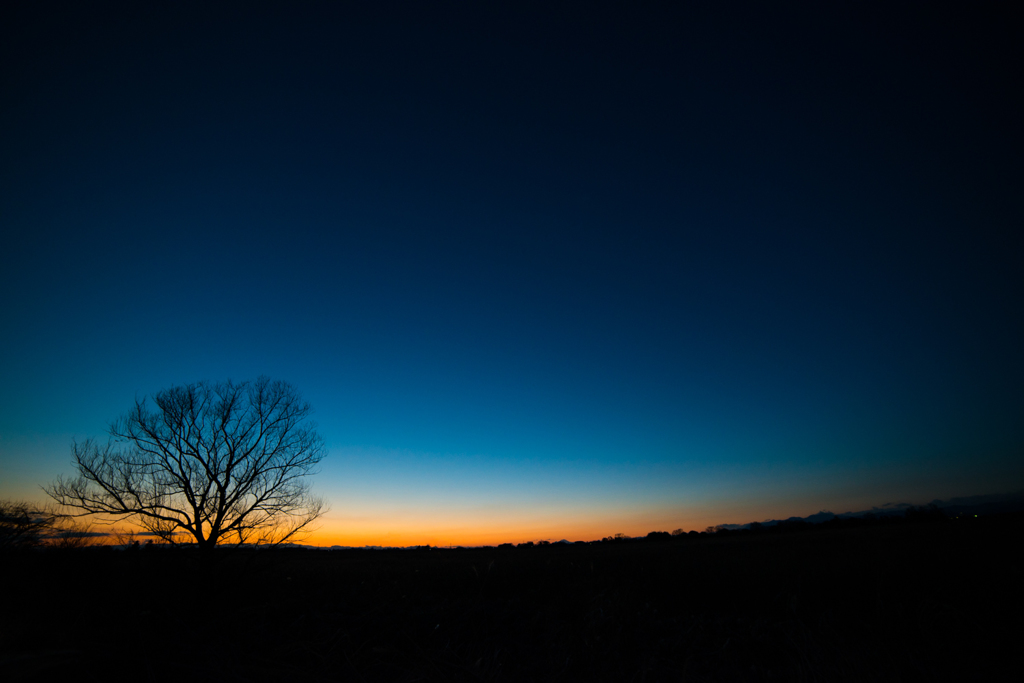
point(70, 534)
point(213, 463)
point(30, 526)
point(23, 525)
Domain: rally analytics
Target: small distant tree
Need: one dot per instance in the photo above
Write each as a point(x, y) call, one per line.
point(32, 526)
point(70, 534)
point(23, 525)
point(209, 463)
point(678, 532)
point(125, 538)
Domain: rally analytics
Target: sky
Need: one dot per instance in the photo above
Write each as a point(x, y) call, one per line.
point(544, 271)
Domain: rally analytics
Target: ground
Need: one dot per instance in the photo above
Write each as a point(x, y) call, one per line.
point(884, 602)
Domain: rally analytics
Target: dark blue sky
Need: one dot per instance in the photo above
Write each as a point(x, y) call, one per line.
point(628, 266)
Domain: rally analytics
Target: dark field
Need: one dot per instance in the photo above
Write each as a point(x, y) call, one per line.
point(899, 602)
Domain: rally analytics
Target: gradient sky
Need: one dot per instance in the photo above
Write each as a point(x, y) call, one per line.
point(542, 272)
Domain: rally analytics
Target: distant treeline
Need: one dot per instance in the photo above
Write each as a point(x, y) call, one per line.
point(12, 534)
point(930, 514)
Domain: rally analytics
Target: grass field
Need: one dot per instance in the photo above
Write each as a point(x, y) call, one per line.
point(898, 602)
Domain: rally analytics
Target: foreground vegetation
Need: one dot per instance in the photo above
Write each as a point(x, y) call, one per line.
point(880, 602)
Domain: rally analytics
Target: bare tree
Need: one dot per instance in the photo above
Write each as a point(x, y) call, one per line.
point(23, 525)
point(70, 534)
point(32, 526)
point(213, 463)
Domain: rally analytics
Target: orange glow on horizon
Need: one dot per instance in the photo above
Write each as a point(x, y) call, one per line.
point(468, 534)
point(360, 526)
